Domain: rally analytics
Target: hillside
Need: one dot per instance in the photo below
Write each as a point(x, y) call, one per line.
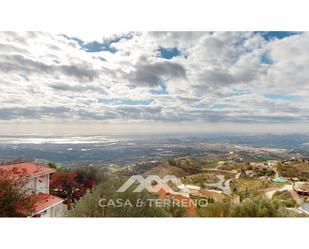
point(167, 169)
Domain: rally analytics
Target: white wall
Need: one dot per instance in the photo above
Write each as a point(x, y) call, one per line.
point(42, 184)
point(47, 213)
point(31, 185)
point(38, 184)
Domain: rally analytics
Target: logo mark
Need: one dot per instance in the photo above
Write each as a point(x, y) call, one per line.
point(151, 183)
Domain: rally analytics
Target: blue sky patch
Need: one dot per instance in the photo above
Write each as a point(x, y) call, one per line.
point(105, 45)
point(238, 92)
point(270, 35)
point(218, 106)
point(265, 59)
point(169, 53)
point(222, 106)
point(161, 90)
point(281, 96)
point(97, 47)
point(200, 106)
point(131, 87)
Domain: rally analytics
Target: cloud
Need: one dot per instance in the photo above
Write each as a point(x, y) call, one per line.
point(18, 64)
point(21, 113)
point(200, 77)
point(153, 74)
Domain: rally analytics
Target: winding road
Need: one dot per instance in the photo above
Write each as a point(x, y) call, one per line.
point(223, 184)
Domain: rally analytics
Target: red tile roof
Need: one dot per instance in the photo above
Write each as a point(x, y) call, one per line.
point(43, 201)
point(30, 169)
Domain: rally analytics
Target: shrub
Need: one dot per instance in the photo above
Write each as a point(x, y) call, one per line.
point(259, 207)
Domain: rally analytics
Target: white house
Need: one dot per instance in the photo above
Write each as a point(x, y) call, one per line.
point(37, 178)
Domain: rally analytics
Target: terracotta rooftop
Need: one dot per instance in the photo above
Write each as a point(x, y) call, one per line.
point(30, 169)
point(43, 201)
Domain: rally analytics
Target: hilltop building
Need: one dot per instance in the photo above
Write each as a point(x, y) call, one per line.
point(37, 178)
point(302, 188)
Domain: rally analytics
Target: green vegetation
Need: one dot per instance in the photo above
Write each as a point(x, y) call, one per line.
point(259, 207)
point(172, 161)
point(265, 157)
point(115, 204)
point(285, 198)
point(298, 170)
point(255, 207)
point(200, 178)
point(209, 164)
point(264, 172)
point(279, 167)
point(52, 165)
point(217, 209)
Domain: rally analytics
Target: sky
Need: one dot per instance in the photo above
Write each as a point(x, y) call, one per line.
point(155, 81)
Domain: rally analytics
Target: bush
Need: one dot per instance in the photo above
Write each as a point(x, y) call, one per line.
point(285, 197)
point(217, 209)
point(259, 207)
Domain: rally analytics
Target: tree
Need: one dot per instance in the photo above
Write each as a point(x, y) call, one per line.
point(52, 165)
point(64, 183)
point(172, 162)
point(73, 184)
point(15, 199)
point(279, 167)
point(87, 177)
point(259, 207)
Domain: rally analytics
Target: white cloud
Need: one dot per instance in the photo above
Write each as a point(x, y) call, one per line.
point(217, 77)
